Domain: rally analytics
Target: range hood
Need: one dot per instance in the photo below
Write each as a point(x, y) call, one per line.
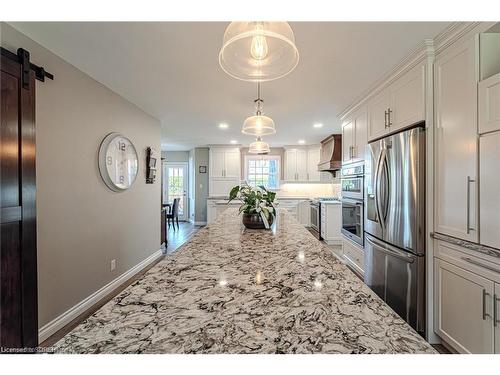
point(331, 154)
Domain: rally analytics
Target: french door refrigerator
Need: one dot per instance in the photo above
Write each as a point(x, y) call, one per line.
point(395, 223)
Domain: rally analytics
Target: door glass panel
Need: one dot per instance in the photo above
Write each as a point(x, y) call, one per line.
point(351, 218)
point(175, 186)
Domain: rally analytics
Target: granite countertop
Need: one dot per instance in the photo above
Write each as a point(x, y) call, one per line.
point(487, 250)
point(234, 290)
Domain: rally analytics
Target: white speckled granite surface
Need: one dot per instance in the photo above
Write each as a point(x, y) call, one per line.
point(233, 290)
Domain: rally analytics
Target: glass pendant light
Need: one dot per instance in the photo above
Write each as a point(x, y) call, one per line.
point(258, 51)
point(259, 124)
point(259, 147)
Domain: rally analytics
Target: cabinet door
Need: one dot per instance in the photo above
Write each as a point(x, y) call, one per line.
point(408, 99)
point(496, 301)
point(347, 140)
point(456, 142)
point(232, 164)
point(312, 165)
point(463, 308)
point(377, 122)
point(489, 104)
point(290, 170)
point(217, 163)
point(301, 165)
point(489, 146)
point(360, 135)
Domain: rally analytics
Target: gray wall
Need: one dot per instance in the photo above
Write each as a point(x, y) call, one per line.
point(201, 184)
point(81, 224)
point(175, 156)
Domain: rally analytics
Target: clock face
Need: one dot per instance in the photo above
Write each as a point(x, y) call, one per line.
point(118, 162)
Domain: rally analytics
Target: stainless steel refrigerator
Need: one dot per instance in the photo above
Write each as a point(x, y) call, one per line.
point(395, 223)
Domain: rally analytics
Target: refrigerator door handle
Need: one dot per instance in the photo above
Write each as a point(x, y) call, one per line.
point(376, 189)
point(378, 197)
point(385, 202)
point(390, 250)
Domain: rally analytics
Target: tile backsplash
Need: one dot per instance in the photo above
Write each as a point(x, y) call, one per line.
point(309, 190)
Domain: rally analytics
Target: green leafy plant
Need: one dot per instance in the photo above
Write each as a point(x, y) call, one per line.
point(256, 200)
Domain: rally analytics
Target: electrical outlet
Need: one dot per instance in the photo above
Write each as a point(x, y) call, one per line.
point(113, 264)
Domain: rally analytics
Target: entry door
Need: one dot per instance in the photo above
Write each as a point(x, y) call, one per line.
point(18, 273)
point(177, 186)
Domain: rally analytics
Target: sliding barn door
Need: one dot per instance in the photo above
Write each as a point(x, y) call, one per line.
point(18, 272)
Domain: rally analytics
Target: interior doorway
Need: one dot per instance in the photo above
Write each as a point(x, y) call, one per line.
point(175, 185)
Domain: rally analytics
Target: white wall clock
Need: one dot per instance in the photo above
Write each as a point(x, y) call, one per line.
point(118, 162)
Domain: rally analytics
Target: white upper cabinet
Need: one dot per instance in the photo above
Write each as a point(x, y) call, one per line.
point(347, 140)
point(489, 104)
point(489, 166)
point(224, 169)
point(232, 163)
point(290, 169)
point(408, 99)
point(313, 156)
point(301, 164)
point(354, 136)
point(217, 163)
point(455, 94)
point(378, 111)
point(399, 105)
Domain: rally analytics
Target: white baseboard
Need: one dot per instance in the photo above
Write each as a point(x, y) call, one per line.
point(200, 223)
point(55, 325)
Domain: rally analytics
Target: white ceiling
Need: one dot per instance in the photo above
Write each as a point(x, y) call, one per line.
point(171, 71)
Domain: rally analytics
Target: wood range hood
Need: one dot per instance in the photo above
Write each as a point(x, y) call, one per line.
point(331, 154)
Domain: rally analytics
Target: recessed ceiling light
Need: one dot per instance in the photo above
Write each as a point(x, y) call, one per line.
point(301, 141)
point(233, 141)
point(223, 125)
point(318, 125)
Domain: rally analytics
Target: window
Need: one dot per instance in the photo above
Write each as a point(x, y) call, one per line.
point(262, 170)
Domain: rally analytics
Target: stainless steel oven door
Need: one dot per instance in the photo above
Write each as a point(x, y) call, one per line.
point(352, 187)
point(352, 219)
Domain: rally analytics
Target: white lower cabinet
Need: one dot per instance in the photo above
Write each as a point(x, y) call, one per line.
point(354, 256)
point(217, 206)
point(331, 223)
point(466, 305)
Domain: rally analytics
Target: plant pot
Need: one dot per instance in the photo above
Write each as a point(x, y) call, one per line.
point(254, 221)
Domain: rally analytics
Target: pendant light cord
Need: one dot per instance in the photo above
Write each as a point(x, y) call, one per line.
point(259, 101)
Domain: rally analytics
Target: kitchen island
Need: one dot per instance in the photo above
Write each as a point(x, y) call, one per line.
point(234, 290)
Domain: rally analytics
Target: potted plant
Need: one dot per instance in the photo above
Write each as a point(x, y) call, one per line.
point(257, 205)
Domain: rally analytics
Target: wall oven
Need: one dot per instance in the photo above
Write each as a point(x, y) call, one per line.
point(353, 181)
point(353, 202)
point(353, 219)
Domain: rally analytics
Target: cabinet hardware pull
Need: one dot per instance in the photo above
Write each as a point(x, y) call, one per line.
point(389, 123)
point(385, 119)
point(485, 314)
point(476, 263)
point(495, 312)
point(469, 180)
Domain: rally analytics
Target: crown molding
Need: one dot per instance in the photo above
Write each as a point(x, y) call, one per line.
point(418, 55)
point(426, 50)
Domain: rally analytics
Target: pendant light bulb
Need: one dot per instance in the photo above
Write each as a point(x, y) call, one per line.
point(259, 48)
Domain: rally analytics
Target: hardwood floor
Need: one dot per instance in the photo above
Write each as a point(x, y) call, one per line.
point(178, 237)
point(175, 240)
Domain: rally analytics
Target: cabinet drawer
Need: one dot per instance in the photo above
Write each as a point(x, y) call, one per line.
point(469, 260)
point(354, 254)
